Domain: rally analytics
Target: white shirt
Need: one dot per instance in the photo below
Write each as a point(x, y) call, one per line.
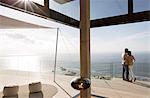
point(122, 56)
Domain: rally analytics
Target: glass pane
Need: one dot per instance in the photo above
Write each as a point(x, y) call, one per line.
point(27, 49)
point(107, 46)
point(141, 5)
point(71, 9)
point(26, 56)
point(108, 8)
point(68, 59)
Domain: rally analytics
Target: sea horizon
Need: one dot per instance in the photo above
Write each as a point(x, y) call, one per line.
point(101, 64)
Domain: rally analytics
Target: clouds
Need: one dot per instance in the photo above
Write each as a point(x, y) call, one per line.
point(131, 38)
point(116, 38)
point(27, 41)
point(43, 41)
point(19, 37)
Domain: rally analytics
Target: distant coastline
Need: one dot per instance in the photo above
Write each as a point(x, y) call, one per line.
point(102, 65)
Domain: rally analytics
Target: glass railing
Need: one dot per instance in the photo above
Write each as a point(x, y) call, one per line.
point(45, 64)
point(26, 69)
point(114, 70)
point(28, 63)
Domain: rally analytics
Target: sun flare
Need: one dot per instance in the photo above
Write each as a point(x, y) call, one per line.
point(41, 2)
point(26, 0)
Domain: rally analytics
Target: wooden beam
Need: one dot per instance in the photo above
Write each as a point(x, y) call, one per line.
point(46, 3)
point(85, 66)
point(122, 19)
point(130, 7)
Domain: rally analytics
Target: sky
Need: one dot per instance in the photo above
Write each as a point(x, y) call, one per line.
point(135, 36)
point(100, 8)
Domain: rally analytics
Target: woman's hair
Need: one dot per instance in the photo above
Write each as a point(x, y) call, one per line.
point(129, 53)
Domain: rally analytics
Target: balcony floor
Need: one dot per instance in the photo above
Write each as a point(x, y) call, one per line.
point(115, 88)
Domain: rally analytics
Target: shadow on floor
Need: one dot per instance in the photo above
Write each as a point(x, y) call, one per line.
point(94, 96)
point(15, 96)
point(142, 84)
point(36, 95)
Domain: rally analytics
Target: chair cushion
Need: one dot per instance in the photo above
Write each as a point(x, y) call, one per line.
point(35, 87)
point(10, 90)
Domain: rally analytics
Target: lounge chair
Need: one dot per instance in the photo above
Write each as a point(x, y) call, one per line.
point(10, 92)
point(35, 91)
point(35, 87)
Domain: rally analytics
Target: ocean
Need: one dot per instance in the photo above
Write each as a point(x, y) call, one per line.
point(109, 64)
point(102, 64)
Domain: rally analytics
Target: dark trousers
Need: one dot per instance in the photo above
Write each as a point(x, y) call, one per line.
point(125, 73)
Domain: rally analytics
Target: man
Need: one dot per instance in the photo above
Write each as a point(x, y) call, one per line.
point(125, 73)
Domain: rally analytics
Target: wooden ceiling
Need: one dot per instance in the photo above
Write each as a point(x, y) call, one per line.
point(47, 13)
point(10, 23)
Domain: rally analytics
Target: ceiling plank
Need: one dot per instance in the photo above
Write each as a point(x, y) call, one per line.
point(10, 23)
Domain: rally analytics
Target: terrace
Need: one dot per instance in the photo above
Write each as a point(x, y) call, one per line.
point(48, 16)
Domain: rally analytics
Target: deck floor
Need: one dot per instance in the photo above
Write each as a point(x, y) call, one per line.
point(115, 88)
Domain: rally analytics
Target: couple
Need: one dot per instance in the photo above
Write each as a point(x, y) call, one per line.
point(127, 62)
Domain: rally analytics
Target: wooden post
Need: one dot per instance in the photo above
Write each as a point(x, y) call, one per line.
point(130, 7)
point(46, 3)
point(85, 66)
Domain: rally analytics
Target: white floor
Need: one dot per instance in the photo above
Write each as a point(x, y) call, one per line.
point(115, 88)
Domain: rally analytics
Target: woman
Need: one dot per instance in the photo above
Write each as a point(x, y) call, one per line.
point(130, 62)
